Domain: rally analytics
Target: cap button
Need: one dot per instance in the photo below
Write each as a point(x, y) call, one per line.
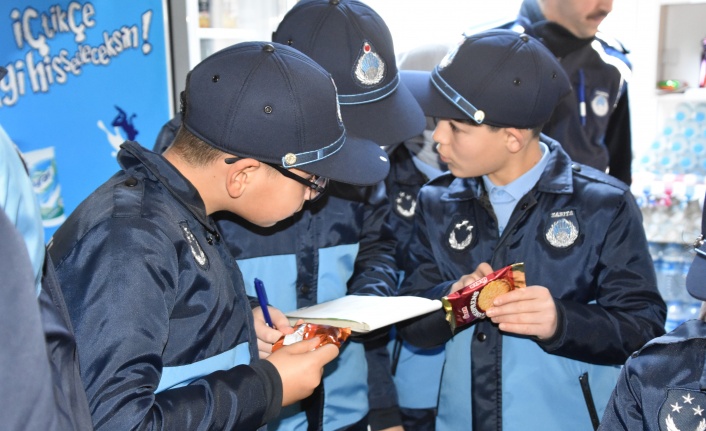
point(334, 2)
point(290, 159)
point(524, 38)
point(268, 47)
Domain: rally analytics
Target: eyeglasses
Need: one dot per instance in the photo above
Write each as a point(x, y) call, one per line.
point(317, 184)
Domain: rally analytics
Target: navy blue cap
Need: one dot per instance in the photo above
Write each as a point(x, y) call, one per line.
point(352, 42)
point(696, 278)
point(272, 103)
point(499, 77)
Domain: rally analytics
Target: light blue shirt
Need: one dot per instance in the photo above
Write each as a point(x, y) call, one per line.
point(505, 198)
point(19, 202)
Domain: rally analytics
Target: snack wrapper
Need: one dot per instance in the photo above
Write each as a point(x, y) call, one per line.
point(306, 331)
point(470, 303)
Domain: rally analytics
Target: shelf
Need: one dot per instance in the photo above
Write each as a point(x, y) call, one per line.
point(690, 95)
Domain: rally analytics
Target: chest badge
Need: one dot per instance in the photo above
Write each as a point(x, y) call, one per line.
point(563, 229)
point(461, 235)
point(369, 69)
point(194, 246)
point(405, 204)
point(599, 104)
point(683, 410)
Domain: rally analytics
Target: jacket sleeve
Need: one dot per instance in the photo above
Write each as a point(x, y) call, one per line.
point(628, 310)
point(618, 140)
point(375, 270)
point(624, 411)
point(120, 282)
point(35, 392)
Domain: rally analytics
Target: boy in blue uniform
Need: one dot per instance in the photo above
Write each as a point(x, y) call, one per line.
point(662, 386)
point(342, 244)
point(547, 356)
point(167, 336)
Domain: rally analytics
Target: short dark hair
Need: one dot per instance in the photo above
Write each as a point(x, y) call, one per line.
point(193, 150)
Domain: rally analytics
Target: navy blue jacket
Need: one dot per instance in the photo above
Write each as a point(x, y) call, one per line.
point(663, 385)
point(579, 233)
point(339, 245)
point(163, 324)
point(599, 69)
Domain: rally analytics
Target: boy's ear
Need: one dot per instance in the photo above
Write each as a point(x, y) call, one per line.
point(517, 139)
point(240, 174)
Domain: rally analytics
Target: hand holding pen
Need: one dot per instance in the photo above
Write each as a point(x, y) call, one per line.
point(275, 324)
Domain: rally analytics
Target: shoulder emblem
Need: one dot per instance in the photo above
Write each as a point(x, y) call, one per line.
point(683, 410)
point(194, 246)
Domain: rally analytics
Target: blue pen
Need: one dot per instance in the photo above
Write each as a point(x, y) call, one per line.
point(582, 97)
point(262, 299)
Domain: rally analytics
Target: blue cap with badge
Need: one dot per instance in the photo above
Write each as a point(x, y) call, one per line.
point(272, 103)
point(498, 77)
point(351, 41)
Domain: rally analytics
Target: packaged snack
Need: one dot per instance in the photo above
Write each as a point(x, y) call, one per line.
point(306, 331)
point(470, 303)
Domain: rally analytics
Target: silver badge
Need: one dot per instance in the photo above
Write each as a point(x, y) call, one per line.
point(405, 204)
point(563, 231)
point(683, 409)
point(449, 57)
point(465, 232)
point(369, 69)
point(600, 104)
point(196, 249)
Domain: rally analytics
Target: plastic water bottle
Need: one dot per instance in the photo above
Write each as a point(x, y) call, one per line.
point(671, 272)
point(676, 315)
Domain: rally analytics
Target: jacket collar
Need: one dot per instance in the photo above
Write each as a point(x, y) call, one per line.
point(560, 41)
point(132, 155)
point(556, 177)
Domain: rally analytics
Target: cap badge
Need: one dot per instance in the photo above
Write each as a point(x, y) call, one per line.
point(405, 204)
point(369, 69)
point(449, 57)
point(563, 230)
point(290, 159)
point(461, 235)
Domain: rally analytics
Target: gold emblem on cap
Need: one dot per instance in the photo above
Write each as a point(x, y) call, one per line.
point(290, 159)
point(479, 116)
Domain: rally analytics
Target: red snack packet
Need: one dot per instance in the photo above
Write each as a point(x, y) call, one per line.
point(306, 331)
point(468, 304)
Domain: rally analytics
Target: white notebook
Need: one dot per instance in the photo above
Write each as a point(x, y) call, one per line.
point(365, 313)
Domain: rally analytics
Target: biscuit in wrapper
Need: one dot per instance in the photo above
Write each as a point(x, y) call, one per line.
point(306, 331)
point(470, 303)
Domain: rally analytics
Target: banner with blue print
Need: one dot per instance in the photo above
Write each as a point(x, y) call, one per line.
point(82, 77)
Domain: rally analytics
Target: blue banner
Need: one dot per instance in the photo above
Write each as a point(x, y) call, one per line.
point(82, 78)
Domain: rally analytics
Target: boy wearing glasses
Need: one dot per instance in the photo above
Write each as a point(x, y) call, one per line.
point(164, 327)
point(547, 356)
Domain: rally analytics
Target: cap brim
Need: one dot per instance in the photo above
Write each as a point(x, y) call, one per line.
point(696, 278)
point(433, 103)
point(359, 162)
point(387, 121)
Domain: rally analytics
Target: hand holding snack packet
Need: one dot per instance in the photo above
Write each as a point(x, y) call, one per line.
point(471, 302)
point(306, 331)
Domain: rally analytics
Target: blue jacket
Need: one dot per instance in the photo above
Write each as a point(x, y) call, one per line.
point(579, 233)
point(599, 70)
point(417, 371)
point(663, 383)
point(339, 245)
point(163, 324)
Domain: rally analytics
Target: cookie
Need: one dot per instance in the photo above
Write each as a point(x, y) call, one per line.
point(490, 291)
